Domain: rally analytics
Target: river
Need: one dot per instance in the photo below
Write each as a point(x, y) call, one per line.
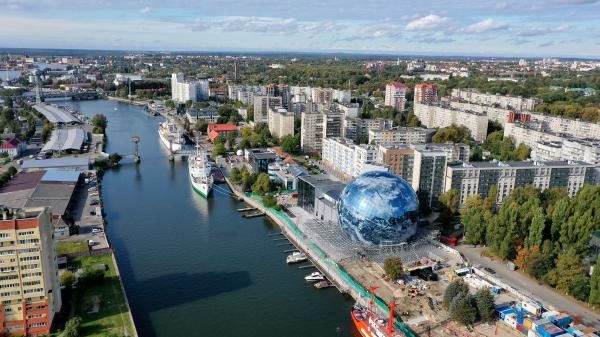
point(193, 267)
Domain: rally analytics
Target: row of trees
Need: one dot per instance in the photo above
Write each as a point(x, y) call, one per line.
point(467, 308)
point(547, 234)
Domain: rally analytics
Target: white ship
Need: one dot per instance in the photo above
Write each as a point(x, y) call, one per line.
point(200, 172)
point(170, 135)
point(295, 257)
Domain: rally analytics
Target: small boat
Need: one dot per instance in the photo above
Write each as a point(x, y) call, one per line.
point(295, 257)
point(314, 277)
point(116, 109)
point(323, 284)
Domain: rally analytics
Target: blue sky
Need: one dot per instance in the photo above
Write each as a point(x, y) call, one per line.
point(473, 27)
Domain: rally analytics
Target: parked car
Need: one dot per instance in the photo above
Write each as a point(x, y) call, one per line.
point(91, 243)
point(94, 202)
point(490, 270)
point(96, 230)
point(92, 189)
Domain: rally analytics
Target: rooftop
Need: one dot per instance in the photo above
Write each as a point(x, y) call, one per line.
point(61, 176)
point(65, 139)
point(11, 144)
point(67, 162)
point(222, 127)
point(519, 164)
point(23, 181)
point(55, 114)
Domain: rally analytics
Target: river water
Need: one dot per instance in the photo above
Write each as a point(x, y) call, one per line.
point(193, 267)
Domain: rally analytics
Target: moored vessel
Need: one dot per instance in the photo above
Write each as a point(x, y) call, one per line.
point(295, 257)
point(369, 324)
point(170, 135)
point(200, 172)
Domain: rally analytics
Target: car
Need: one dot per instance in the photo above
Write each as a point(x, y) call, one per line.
point(96, 230)
point(489, 270)
point(94, 202)
point(91, 243)
point(92, 189)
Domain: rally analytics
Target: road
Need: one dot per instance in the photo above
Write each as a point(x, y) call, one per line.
point(544, 294)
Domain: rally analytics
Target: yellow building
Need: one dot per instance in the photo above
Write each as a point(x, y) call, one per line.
point(29, 285)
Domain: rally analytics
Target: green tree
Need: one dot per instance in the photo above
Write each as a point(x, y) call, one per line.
point(290, 144)
point(485, 305)
point(67, 280)
point(453, 133)
point(455, 288)
point(595, 285)
point(170, 104)
point(263, 184)
point(475, 217)
point(270, 201)
point(569, 272)
point(393, 268)
point(463, 308)
point(200, 126)
point(73, 327)
point(100, 123)
point(537, 228)
point(219, 149)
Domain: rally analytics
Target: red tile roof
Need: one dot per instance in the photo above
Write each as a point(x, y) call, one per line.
point(222, 127)
point(399, 85)
point(11, 144)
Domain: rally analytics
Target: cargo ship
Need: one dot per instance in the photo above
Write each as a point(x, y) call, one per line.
point(369, 324)
point(170, 135)
point(200, 172)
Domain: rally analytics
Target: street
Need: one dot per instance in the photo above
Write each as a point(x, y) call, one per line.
point(540, 292)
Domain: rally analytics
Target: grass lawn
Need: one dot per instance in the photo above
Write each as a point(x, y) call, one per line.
point(113, 315)
point(69, 247)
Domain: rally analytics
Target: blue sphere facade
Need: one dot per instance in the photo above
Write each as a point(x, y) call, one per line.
point(379, 207)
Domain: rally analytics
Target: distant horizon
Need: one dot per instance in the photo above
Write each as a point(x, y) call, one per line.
point(506, 28)
point(349, 53)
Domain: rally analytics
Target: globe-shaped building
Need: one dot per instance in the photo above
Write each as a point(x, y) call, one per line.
point(379, 207)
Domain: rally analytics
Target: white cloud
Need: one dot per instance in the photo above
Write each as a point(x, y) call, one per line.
point(145, 10)
point(537, 31)
point(486, 26)
point(379, 30)
point(428, 22)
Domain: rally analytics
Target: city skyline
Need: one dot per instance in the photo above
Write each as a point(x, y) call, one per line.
point(484, 28)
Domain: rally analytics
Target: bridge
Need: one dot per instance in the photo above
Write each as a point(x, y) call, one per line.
point(181, 153)
point(76, 96)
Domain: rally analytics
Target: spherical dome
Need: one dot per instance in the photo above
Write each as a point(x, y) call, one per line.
point(378, 207)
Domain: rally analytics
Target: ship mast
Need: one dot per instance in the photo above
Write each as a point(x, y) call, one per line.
point(391, 319)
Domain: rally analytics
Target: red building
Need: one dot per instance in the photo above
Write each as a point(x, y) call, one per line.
point(221, 130)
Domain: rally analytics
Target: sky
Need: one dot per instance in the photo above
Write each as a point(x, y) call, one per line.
point(460, 27)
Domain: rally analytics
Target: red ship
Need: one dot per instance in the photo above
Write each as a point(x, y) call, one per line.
point(370, 325)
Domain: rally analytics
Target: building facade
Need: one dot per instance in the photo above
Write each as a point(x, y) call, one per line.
point(348, 160)
point(30, 289)
point(262, 104)
point(426, 93)
point(502, 101)
point(478, 177)
point(395, 95)
point(399, 136)
point(436, 116)
point(183, 91)
point(281, 123)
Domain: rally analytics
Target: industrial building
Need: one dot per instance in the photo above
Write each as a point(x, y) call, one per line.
point(66, 140)
point(56, 115)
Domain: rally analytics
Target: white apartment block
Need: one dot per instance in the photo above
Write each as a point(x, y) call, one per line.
point(398, 136)
point(347, 160)
point(315, 126)
point(501, 101)
point(353, 128)
point(572, 127)
point(245, 93)
point(435, 116)
point(499, 115)
point(281, 123)
point(478, 177)
point(183, 91)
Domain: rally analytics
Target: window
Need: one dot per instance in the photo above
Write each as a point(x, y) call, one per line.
point(29, 291)
point(30, 266)
point(26, 233)
point(28, 241)
point(29, 258)
point(30, 283)
point(7, 252)
point(5, 235)
point(28, 275)
point(36, 325)
point(8, 285)
point(28, 250)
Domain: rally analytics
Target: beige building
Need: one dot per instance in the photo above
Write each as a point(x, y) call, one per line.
point(501, 101)
point(399, 136)
point(29, 285)
point(315, 126)
point(262, 104)
point(436, 116)
point(281, 123)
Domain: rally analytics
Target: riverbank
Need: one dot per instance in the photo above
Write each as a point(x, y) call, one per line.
point(344, 282)
point(127, 100)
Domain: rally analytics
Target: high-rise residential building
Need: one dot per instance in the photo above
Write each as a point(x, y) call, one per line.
point(183, 91)
point(436, 116)
point(399, 135)
point(423, 167)
point(262, 104)
point(354, 128)
point(478, 177)
point(315, 126)
point(395, 95)
point(426, 93)
point(348, 160)
point(501, 101)
point(29, 285)
point(281, 123)
point(245, 93)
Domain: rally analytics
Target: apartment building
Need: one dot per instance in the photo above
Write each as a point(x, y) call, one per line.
point(183, 91)
point(353, 128)
point(347, 160)
point(478, 177)
point(566, 126)
point(502, 101)
point(316, 126)
point(395, 95)
point(421, 166)
point(281, 123)
point(548, 145)
point(262, 104)
point(496, 114)
point(399, 135)
point(436, 116)
point(245, 93)
point(426, 93)
point(29, 285)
